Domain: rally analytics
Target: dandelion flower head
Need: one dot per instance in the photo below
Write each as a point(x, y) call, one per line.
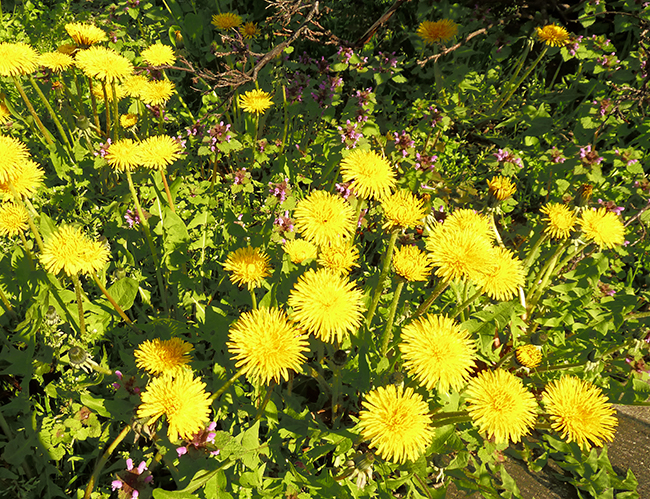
point(300, 250)
point(17, 59)
point(156, 93)
point(55, 61)
point(501, 187)
point(602, 227)
point(371, 175)
point(124, 155)
point(529, 356)
point(322, 218)
point(579, 411)
point(561, 220)
point(501, 279)
point(72, 251)
point(5, 114)
point(326, 304)
point(104, 64)
point(13, 219)
point(412, 264)
point(397, 423)
point(163, 356)
point(554, 36)
point(402, 209)
point(26, 182)
point(438, 31)
point(249, 30)
point(159, 151)
point(85, 35)
point(181, 398)
point(267, 344)
point(247, 266)
point(134, 84)
point(128, 120)
point(438, 352)
point(159, 55)
point(339, 256)
point(255, 101)
point(465, 219)
point(12, 153)
point(226, 21)
point(501, 406)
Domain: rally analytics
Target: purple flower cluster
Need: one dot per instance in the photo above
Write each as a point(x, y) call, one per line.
point(133, 479)
point(574, 45)
point(296, 86)
point(403, 141)
point(345, 54)
point(103, 148)
point(625, 156)
point(132, 219)
point(326, 90)
point(611, 206)
point(284, 222)
point(196, 130)
point(279, 190)
point(556, 155)
point(425, 161)
point(505, 156)
point(344, 189)
point(387, 62)
point(200, 440)
point(350, 135)
point(590, 157)
point(219, 134)
point(129, 385)
point(435, 116)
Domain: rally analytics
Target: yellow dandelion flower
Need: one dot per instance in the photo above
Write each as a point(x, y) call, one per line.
point(397, 423)
point(134, 84)
point(55, 61)
point(501, 187)
point(561, 220)
point(339, 256)
point(580, 411)
point(402, 209)
point(124, 155)
point(226, 21)
point(72, 251)
point(326, 304)
point(412, 264)
point(438, 31)
point(5, 114)
point(602, 227)
point(267, 345)
point(503, 276)
point(501, 406)
point(128, 120)
point(554, 36)
point(248, 265)
point(249, 30)
point(25, 183)
point(466, 219)
point(300, 250)
point(17, 59)
point(529, 356)
point(437, 352)
point(156, 93)
point(104, 64)
point(322, 218)
point(371, 175)
point(85, 35)
point(163, 356)
point(159, 55)
point(255, 101)
point(181, 398)
point(12, 153)
point(159, 151)
point(459, 254)
point(13, 219)
point(98, 92)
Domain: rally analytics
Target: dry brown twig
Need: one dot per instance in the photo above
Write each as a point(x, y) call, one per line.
point(448, 50)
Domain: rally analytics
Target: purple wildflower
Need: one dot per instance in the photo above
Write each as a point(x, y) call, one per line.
point(611, 206)
point(350, 134)
point(239, 176)
point(284, 222)
point(590, 157)
point(326, 90)
point(345, 54)
point(425, 161)
point(279, 190)
point(505, 156)
point(219, 134)
point(203, 439)
point(403, 142)
point(132, 480)
point(131, 218)
point(344, 189)
point(103, 148)
point(556, 156)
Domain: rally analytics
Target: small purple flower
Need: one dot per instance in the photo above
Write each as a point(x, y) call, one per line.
point(435, 116)
point(219, 134)
point(403, 142)
point(344, 189)
point(345, 54)
point(239, 176)
point(556, 156)
point(350, 134)
point(181, 451)
point(425, 161)
point(131, 218)
point(284, 222)
point(611, 206)
point(296, 85)
point(603, 106)
point(116, 484)
point(103, 148)
point(361, 215)
point(279, 190)
point(133, 479)
point(322, 66)
point(505, 156)
point(326, 90)
point(196, 130)
point(590, 157)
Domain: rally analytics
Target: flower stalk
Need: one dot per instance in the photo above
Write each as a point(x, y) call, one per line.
point(53, 115)
point(104, 459)
point(46, 135)
point(388, 332)
point(80, 307)
point(112, 301)
point(228, 384)
point(382, 277)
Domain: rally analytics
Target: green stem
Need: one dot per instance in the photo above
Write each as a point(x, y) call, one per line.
point(382, 277)
point(7, 304)
point(465, 304)
point(80, 307)
point(46, 135)
point(520, 81)
point(532, 253)
point(286, 118)
point(227, 385)
point(253, 298)
point(260, 411)
point(53, 115)
point(551, 261)
point(116, 113)
point(107, 108)
point(437, 291)
point(496, 231)
point(559, 367)
point(637, 315)
point(423, 485)
point(112, 301)
point(30, 220)
point(388, 332)
point(145, 227)
point(357, 214)
point(27, 252)
point(93, 103)
point(102, 462)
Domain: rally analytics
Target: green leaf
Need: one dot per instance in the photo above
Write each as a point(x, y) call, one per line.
point(124, 292)
point(96, 405)
point(166, 494)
